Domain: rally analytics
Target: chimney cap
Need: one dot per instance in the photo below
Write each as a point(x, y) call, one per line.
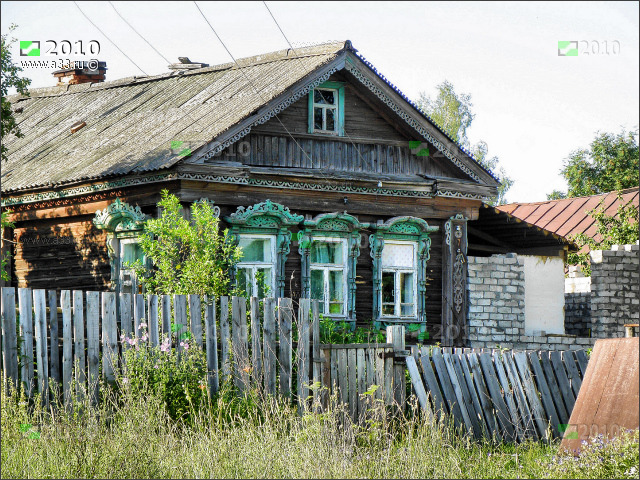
point(187, 64)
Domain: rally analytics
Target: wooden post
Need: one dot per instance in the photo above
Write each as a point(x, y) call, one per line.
point(395, 336)
point(211, 339)
point(26, 330)
point(9, 336)
point(454, 282)
point(285, 313)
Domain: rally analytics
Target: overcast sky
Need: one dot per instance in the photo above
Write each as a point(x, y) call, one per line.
point(532, 106)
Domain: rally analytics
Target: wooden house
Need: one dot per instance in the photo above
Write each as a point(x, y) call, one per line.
point(334, 183)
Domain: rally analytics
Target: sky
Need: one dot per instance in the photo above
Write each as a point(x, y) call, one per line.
point(532, 106)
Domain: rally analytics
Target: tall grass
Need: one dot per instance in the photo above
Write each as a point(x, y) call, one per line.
point(133, 436)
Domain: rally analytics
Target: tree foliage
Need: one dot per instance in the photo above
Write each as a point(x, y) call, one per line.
point(610, 163)
point(189, 257)
point(4, 259)
point(452, 112)
point(10, 79)
point(618, 229)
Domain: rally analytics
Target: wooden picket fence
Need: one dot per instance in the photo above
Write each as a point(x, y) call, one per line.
point(512, 395)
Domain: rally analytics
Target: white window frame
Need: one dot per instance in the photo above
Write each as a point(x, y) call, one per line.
point(397, 309)
point(127, 271)
point(326, 268)
point(255, 266)
point(325, 107)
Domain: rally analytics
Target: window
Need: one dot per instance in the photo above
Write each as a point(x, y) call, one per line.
point(256, 269)
point(399, 279)
point(328, 274)
point(130, 252)
point(326, 109)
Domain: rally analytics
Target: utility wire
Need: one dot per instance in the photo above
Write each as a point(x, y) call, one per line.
point(249, 80)
point(131, 26)
point(107, 37)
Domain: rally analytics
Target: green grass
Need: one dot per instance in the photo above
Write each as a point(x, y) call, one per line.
point(133, 437)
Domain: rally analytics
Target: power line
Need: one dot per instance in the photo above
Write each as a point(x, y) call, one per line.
point(132, 28)
point(298, 58)
point(107, 37)
point(249, 80)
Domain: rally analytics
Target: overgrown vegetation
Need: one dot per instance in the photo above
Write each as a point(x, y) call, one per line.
point(133, 435)
point(618, 229)
point(4, 256)
point(333, 331)
point(188, 257)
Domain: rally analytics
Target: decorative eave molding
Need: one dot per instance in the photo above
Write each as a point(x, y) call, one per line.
point(343, 217)
point(394, 224)
point(235, 180)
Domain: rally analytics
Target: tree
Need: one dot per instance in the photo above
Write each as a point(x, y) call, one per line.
point(610, 163)
point(10, 78)
point(189, 257)
point(619, 229)
point(452, 112)
point(556, 195)
point(4, 258)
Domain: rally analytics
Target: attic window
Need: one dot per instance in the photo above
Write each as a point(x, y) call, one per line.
point(326, 109)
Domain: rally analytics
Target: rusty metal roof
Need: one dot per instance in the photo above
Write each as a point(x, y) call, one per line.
point(131, 122)
point(569, 216)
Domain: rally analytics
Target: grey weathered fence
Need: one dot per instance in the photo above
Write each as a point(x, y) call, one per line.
point(514, 395)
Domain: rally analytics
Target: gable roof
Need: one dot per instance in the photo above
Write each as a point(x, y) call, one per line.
point(131, 122)
point(569, 216)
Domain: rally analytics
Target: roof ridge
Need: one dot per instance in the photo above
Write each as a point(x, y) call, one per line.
point(322, 48)
point(542, 202)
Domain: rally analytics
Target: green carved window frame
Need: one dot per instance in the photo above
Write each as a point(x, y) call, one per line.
point(267, 218)
point(340, 227)
point(338, 93)
point(123, 224)
point(401, 229)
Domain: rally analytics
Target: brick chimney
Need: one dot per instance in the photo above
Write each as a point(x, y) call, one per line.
point(81, 72)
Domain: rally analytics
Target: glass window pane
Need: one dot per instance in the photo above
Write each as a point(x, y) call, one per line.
point(388, 287)
point(331, 122)
point(317, 118)
point(326, 252)
point(317, 96)
point(406, 310)
point(328, 96)
point(263, 281)
point(395, 255)
point(131, 252)
point(387, 309)
point(243, 279)
point(406, 285)
point(317, 285)
point(255, 249)
point(335, 286)
point(335, 308)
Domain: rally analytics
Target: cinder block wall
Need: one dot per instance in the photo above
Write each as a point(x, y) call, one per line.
point(615, 296)
point(577, 313)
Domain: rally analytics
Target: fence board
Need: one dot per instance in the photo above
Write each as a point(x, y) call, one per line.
point(516, 421)
point(563, 381)
point(126, 317)
point(447, 388)
point(416, 381)
point(54, 342)
point(520, 359)
point(211, 339)
point(483, 395)
point(491, 380)
point(458, 390)
point(343, 386)
point(93, 343)
point(138, 313)
point(269, 346)
point(166, 316)
point(152, 308)
point(26, 331)
point(379, 373)
point(315, 350)
point(353, 386)
point(180, 320)
point(303, 349)
point(225, 338)
point(474, 408)
point(239, 343)
point(195, 317)
point(556, 396)
point(256, 350)
point(362, 380)
point(79, 363)
point(42, 360)
point(572, 371)
point(110, 336)
point(67, 345)
point(285, 312)
point(520, 397)
point(582, 360)
point(432, 383)
point(9, 336)
point(545, 393)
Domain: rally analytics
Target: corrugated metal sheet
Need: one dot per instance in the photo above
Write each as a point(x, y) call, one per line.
point(569, 216)
point(130, 123)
